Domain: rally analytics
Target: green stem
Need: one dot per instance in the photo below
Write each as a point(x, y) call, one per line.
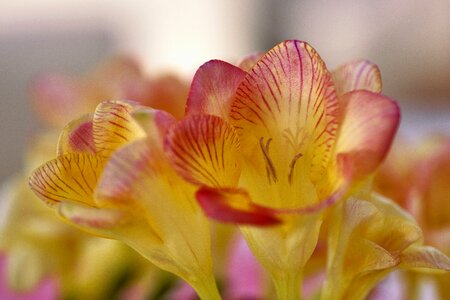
point(288, 286)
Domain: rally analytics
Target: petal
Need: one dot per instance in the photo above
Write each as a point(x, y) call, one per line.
point(77, 137)
point(70, 177)
point(357, 75)
point(155, 123)
point(287, 100)
point(234, 206)
point(114, 126)
point(369, 123)
point(204, 150)
point(249, 61)
point(91, 218)
point(213, 88)
point(425, 257)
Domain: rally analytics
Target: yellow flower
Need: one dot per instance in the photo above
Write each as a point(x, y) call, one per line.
point(111, 178)
point(279, 143)
point(369, 237)
point(417, 177)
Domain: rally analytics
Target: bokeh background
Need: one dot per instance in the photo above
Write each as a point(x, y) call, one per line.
point(409, 40)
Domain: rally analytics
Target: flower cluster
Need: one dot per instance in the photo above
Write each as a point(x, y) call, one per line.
point(280, 150)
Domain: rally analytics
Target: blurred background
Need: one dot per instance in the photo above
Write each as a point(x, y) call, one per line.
point(409, 40)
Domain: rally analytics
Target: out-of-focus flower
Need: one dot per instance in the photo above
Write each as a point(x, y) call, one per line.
point(277, 144)
point(111, 178)
point(418, 178)
point(58, 98)
point(369, 237)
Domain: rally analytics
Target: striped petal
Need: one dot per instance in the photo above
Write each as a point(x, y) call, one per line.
point(213, 88)
point(77, 137)
point(369, 123)
point(357, 75)
point(204, 150)
point(234, 205)
point(114, 126)
point(287, 100)
point(70, 177)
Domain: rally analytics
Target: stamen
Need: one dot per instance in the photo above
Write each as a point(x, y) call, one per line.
point(292, 166)
point(270, 169)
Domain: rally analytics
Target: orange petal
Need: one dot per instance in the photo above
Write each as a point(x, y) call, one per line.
point(70, 177)
point(249, 61)
point(204, 150)
point(288, 97)
point(357, 75)
point(114, 126)
point(369, 123)
point(77, 137)
point(234, 206)
point(213, 88)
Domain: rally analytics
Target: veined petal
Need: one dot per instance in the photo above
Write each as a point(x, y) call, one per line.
point(235, 206)
point(369, 123)
point(425, 257)
point(213, 89)
point(204, 150)
point(249, 61)
point(77, 137)
point(70, 177)
point(287, 101)
point(357, 75)
point(114, 126)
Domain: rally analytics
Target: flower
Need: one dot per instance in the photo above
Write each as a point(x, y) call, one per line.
point(416, 177)
point(111, 178)
point(278, 144)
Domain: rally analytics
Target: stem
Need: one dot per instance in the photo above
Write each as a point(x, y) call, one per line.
point(288, 285)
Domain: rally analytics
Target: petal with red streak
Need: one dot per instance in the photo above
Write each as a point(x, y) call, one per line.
point(212, 89)
point(357, 75)
point(77, 137)
point(70, 177)
point(114, 126)
point(204, 150)
point(234, 206)
point(369, 123)
point(288, 99)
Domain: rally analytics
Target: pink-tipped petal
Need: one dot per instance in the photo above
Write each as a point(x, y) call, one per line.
point(369, 123)
point(204, 150)
point(77, 137)
point(357, 75)
point(234, 206)
point(213, 89)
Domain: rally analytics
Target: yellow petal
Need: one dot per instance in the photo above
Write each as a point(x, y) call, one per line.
point(70, 177)
point(114, 126)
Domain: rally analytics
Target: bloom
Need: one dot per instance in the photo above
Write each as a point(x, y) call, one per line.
point(111, 178)
point(278, 144)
